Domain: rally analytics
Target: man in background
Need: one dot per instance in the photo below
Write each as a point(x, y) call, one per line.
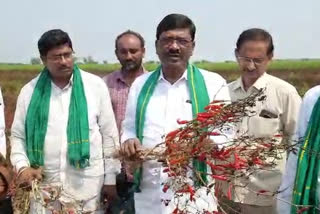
point(276, 115)
point(129, 49)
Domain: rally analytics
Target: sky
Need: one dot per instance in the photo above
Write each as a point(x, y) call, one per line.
point(94, 24)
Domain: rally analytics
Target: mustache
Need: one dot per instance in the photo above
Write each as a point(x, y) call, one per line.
point(174, 51)
point(65, 67)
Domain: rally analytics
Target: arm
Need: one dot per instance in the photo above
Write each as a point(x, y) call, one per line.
point(289, 117)
point(288, 178)
point(3, 146)
point(18, 156)
point(110, 138)
point(130, 143)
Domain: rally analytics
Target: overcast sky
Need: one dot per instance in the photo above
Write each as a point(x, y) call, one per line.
point(94, 24)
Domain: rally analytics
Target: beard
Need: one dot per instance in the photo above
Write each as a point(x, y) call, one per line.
point(132, 65)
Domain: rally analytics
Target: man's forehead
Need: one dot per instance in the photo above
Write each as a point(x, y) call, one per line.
point(178, 32)
point(60, 49)
point(254, 45)
point(129, 39)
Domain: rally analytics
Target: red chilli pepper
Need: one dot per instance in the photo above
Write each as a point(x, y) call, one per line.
point(173, 133)
point(262, 191)
point(302, 210)
point(229, 192)
point(166, 170)
point(204, 115)
point(165, 188)
point(214, 133)
point(180, 122)
point(219, 177)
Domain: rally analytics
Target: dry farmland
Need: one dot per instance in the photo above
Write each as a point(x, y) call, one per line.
point(303, 74)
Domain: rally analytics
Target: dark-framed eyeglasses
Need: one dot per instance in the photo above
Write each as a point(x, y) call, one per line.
point(256, 61)
point(65, 56)
point(179, 41)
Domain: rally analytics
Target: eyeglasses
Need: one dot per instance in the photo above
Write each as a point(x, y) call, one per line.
point(256, 61)
point(179, 41)
point(65, 56)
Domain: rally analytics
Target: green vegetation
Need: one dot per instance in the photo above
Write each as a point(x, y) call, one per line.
point(309, 64)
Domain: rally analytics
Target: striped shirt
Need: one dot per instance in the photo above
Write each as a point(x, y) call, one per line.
point(119, 90)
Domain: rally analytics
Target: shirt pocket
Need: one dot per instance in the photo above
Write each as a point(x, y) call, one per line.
point(263, 127)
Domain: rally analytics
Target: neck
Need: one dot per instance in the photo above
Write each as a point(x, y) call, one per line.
point(173, 73)
point(61, 82)
point(248, 82)
point(130, 76)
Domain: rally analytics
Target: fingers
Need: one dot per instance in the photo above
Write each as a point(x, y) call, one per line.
point(37, 174)
point(28, 175)
point(130, 147)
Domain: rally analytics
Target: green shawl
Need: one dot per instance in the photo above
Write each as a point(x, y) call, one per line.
point(199, 99)
point(36, 122)
point(305, 189)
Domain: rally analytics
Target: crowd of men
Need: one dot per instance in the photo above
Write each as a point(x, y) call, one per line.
point(69, 123)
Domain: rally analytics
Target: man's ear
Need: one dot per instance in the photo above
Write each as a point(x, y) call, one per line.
point(44, 60)
point(270, 56)
point(156, 43)
point(236, 53)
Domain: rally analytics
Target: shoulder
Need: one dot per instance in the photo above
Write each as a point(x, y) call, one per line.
point(139, 81)
point(311, 96)
point(212, 76)
point(91, 79)
point(235, 83)
point(280, 84)
point(110, 77)
point(29, 87)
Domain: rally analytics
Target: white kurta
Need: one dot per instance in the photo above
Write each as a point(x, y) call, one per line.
point(287, 184)
point(168, 103)
point(81, 184)
point(3, 146)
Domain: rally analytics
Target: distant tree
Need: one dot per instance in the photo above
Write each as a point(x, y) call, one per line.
point(89, 60)
point(105, 62)
point(35, 61)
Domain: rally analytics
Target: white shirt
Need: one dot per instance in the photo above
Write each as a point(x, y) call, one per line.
point(287, 184)
point(3, 146)
point(283, 101)
point(168, 103)
point(82, 184)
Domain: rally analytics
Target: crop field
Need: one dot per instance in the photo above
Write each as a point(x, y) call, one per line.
point(303, 74)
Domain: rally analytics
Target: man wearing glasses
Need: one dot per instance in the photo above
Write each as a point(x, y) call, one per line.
point(64, 131)
point(276, 115)
point(156, 100)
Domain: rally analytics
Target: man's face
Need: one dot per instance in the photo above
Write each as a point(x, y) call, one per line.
point(59, 61)
point(129, 52)
point(175, 47)
point(253, 59)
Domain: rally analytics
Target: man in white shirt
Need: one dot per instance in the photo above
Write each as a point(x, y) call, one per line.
point(276, 115)
point(296, 194)
point(64, 131)
point(161, 97)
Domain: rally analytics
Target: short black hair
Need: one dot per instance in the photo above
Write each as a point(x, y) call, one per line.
point(51, 39)
point(176, 21)
point(130, 32)
point(256, 34)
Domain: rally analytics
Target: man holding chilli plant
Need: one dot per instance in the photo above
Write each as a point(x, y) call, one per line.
point(175, 90)
point(64, 131)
